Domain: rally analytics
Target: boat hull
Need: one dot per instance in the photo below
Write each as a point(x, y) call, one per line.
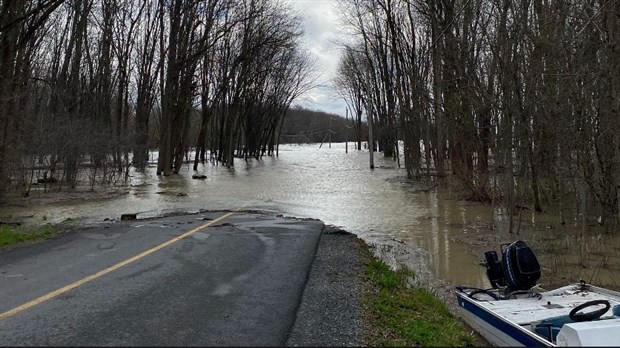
point(523, 319)
point(496, 330)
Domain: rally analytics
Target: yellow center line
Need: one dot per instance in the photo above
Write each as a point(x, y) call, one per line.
point(94, 276)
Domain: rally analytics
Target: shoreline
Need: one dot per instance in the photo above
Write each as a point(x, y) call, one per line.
point(333, 311)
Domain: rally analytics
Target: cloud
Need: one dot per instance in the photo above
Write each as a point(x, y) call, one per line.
point(321, 29)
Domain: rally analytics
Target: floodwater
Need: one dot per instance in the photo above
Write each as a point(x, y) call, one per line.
point(411, 224)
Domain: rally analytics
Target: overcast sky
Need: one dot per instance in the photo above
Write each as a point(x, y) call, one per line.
point(321, 25)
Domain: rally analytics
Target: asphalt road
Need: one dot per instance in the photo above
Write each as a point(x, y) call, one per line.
point(167, 281)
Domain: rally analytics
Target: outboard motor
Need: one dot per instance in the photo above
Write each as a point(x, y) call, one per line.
point(518, 270)
point(521, 268)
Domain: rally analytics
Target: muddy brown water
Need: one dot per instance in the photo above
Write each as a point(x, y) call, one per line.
point(411, 224)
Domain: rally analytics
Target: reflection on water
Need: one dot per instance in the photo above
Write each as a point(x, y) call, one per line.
point(417, 228)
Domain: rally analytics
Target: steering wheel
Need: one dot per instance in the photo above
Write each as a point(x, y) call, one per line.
point(578, 317)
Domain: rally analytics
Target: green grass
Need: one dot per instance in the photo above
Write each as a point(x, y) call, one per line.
point(10, 235)
point(405, 316)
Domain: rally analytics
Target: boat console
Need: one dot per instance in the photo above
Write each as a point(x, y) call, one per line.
point(589, 333)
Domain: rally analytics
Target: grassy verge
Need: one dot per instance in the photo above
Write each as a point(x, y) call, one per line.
point(399, 315)
point(10, 235)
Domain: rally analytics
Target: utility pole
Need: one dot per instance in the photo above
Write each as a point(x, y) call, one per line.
point(371, 147)
point(346, 133)
point(330, 132)
point(371, 142)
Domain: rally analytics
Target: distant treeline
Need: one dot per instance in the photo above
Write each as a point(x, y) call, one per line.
point(307, 126)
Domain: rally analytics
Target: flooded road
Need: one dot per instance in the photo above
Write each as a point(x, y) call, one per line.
point(414, 225)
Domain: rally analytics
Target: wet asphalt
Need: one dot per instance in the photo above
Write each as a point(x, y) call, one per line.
point(237, 282)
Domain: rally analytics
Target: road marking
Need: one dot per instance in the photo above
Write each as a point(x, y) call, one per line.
point(94, 276)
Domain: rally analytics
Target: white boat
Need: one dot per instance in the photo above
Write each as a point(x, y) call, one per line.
point(517, 312)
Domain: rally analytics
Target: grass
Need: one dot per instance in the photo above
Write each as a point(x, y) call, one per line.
point(401, 316)
point(10, 235)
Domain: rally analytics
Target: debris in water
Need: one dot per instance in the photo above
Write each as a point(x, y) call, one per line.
point(126, 217)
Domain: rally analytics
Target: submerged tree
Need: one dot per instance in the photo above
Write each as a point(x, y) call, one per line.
point(88, 87)
point(524, 93)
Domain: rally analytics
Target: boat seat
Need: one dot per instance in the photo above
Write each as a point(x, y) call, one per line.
point(550, 327)
point(615, 311)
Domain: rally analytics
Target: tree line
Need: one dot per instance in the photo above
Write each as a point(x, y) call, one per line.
point(517, 99)
point(87, 87)
point(303, 126)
